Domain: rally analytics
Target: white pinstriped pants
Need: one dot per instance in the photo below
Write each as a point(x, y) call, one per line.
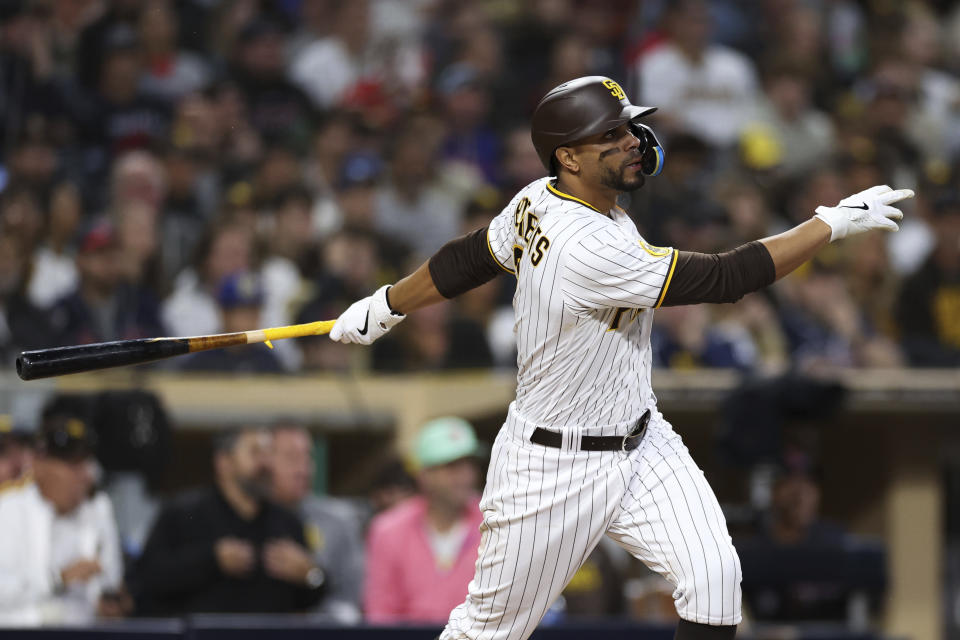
point(545, 510)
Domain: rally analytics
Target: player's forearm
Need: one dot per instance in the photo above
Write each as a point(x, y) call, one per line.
point(415, 291)
point(792, 248)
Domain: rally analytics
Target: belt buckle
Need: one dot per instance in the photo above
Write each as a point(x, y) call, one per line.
point(637, 432)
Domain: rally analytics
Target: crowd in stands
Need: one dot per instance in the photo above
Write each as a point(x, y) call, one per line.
point(259, 539)
point(183, 167)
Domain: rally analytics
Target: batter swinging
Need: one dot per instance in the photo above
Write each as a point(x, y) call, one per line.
point(584, 452)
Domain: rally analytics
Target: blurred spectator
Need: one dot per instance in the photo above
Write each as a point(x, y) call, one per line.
point(168, 74)
point(332, 530)
point(293, 258)
point(801, 137)
point(54, 272)
point(702, 88)
point(356, 201)
point(103, 307)
point(596, 589)
point(118, 117)
point(487, 307)
point(16, 453)
point(414, 204)
point(753, 329)
point(94, 39)
point(239, 298)
point(184, 214)
point(888, 125)
point(466, 103)
point(824, 326)
point(938, 92)
point(22, 325)
point(790, 565)
point(278, 171)
point(672, 205)
point(872, 284)
point(59, 549)
point(21, 216)
point(191, 307)
point(33, 158)
point(682, 338)
point(335, 141)
point(137, 177)
point(435, 338)
point(275, 106)
point(177, 118)
point(391, 486)
point(331, 66)
point(139, 247)
point(26, 87)
point(521, 164)
point(928, 311)
point(228, 548)
point(421, 553)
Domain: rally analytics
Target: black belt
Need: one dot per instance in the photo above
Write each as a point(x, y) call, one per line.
point(628, 442)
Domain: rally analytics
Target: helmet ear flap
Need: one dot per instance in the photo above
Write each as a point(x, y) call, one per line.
point(651, 162)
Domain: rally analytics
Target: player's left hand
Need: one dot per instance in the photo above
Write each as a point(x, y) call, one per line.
point(286, 560)
point(366, 320)
point(869, 209)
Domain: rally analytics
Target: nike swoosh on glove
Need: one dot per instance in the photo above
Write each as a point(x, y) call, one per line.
point(864, 211)
point(366, 320)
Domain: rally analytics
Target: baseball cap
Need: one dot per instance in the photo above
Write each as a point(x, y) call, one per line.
point(259, 28)
point(359, 169)
point(6, 430)
point(99, 235)
point(444, 440)
point(456, 77)
point(66, 437)
point(240, 289)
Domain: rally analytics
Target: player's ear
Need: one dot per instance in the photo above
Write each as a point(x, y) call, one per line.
point(567, 159)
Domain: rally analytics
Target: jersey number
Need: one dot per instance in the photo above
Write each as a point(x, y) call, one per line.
point(618, 316)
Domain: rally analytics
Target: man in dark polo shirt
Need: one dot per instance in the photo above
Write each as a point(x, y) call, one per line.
point(227, 548)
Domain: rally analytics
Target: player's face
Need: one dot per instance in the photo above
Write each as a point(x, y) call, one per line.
point(612, 159)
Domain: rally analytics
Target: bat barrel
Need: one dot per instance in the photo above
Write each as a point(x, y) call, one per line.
point(46, 363)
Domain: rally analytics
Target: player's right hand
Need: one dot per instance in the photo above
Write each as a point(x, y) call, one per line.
point(869, 209)
point(79, 571)
point(366, 320)
point(235, 557)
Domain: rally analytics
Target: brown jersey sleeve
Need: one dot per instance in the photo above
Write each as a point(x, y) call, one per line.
point(463, 264)
point(719, 277)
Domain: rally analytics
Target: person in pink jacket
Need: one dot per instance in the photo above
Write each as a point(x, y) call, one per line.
point(421, 553)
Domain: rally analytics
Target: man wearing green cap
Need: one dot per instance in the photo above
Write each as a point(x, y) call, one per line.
point(421, 553)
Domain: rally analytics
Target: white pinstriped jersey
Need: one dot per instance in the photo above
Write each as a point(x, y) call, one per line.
point(586, 287)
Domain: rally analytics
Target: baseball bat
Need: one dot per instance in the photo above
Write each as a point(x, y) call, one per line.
point(46, 363)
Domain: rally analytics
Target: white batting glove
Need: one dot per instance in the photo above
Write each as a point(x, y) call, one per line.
point(366, 320)
point(864, 211)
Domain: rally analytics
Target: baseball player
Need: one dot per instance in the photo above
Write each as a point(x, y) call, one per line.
point(584, 452)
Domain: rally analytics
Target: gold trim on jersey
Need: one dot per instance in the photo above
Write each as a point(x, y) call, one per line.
point(656, 252)
point(494, 256)
point(663, 292)
point(566, 196)
point(17, 483)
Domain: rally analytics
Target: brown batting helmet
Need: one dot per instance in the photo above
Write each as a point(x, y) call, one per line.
point(584, 107)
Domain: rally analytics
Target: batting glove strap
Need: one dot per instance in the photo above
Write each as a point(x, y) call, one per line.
point(864, 211)
point(366, 320)
point(381, 312)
